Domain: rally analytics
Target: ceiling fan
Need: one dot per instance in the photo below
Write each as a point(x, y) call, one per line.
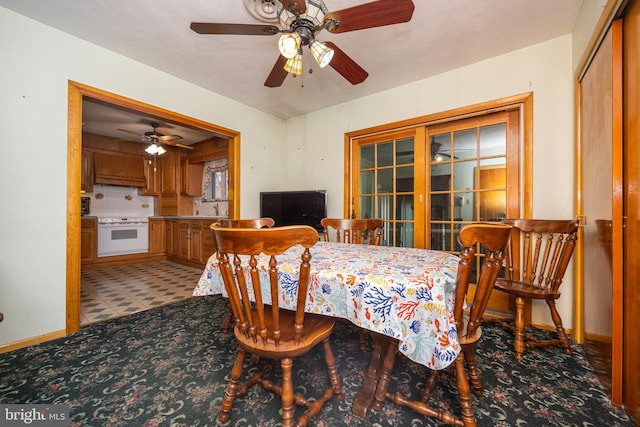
point(156, 139)
point(302, 20)
point(437, 154)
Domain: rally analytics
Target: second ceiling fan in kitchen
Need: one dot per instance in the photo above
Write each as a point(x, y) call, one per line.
point(302, 20)
point(156, 139)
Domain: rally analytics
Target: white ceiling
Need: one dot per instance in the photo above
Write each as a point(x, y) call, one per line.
point(442, 35)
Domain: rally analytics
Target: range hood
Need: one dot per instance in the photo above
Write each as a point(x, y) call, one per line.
point(118, 169)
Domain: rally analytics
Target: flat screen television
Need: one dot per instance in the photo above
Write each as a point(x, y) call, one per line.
point(294, 207)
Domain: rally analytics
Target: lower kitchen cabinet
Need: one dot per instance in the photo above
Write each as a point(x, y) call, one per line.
point(189, 241)
point(88, 239)
point(172, 236)
point(157, 236)
point(208, 244)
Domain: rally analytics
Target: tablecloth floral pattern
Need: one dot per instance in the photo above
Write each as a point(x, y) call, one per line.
point(404, 293)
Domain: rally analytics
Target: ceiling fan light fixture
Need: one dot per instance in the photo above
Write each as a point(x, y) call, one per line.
point(294, 65)
point(321, 52)
point(439, 158)
point(315, 11)
point(289, 44)
point(155, 149)
point(314, 14)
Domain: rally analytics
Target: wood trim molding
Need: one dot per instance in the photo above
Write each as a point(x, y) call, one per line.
point(32, 341)
point(465, 112)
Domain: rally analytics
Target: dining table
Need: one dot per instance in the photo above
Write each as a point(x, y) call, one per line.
point(400, 293)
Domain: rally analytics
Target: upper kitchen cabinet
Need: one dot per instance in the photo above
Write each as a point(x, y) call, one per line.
point(209, 149)
point(119, 169)
point(86, 180)
point(191, 178)
point(106, 160)
point(169, 164)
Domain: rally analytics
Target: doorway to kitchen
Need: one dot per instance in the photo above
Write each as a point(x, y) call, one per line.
point(77, 92)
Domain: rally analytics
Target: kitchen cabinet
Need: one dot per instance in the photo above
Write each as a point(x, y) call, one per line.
point(168, 201)
point(191, 178)
point(208, 244)
point(119, 169)
point(172, 235)
point(86, 176)
point(88, 239)
point(151, 175)
point(168, 172)
point(157, 235)
point(190, 242)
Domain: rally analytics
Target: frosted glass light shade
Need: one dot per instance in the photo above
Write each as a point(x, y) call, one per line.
point(289, 44)
point(322, 53)
point(155, 149)
point(294, 65)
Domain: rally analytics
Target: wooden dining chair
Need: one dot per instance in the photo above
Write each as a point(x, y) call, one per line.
point(261, 327)
point(246, 223)
point(537, 259)
point(482, 255)
point(240, 223)
point(347, 230)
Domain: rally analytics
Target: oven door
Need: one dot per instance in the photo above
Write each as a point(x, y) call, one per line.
point(122, 239)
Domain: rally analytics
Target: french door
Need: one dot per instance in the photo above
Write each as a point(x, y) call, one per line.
point(426, 182)
point(387, 178)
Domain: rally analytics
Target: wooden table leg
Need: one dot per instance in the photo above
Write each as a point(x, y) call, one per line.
point(365, 398)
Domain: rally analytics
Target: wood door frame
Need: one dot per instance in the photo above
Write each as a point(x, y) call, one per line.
point(522, 102)
point(76, 92)
point(612, 10)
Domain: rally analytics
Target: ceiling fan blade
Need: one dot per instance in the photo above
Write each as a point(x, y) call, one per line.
point(375, 14)
point(133, 133)
point(347, 67)
point(278, 74)
point(166, 138)
point(297, 7)
point(240, 29)
point(175, 144)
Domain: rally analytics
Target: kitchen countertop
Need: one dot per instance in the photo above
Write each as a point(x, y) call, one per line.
point(188, 217)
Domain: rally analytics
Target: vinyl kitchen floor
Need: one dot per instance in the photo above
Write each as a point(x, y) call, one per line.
point(111, 292)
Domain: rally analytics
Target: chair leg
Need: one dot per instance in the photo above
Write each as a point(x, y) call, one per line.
point(466, 406)
point(232, 387)
point(287, 392)
point(474, 373)
point(557, 320)
point(519, 328)
point(334, 377)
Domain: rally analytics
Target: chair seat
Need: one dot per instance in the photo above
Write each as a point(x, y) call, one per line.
point(316, 329)
point(524, 290)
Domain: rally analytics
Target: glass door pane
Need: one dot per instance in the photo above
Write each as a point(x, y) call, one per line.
point(467, 177)
point(387, 188)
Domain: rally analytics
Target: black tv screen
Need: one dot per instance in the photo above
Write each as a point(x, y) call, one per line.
point(294, 207)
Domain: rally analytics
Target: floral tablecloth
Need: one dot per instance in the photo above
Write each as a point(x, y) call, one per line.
point(404, 293)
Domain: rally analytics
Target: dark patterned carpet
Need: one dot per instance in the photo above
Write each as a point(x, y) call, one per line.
point(167, 366)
